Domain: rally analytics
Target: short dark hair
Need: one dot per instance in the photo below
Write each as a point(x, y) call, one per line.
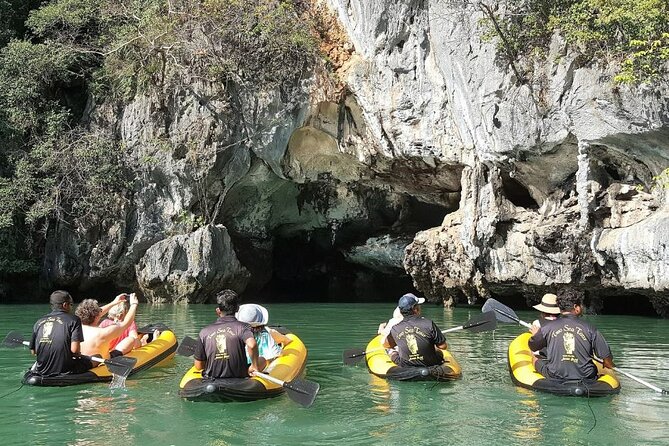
point(568, 298)
point(58, 298)
point(228, 302)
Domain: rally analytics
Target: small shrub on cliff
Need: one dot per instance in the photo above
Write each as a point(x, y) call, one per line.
point(632, 33)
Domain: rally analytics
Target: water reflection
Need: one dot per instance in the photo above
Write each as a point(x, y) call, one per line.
point(353, 406)
point(530, 417)
point(99, 418)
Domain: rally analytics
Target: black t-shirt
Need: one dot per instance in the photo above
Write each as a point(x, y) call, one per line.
point(416, 337)
point(222, 345)
point(570, 343)
point(52, 337)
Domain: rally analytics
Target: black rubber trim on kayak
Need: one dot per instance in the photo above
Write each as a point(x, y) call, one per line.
point(227, 389)
point(442, 372)
point(67, 379)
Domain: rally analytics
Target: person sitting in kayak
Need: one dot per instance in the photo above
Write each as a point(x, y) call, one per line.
point(415, 336)
point(384, 329)
point(548, 308)
point(570, 342)
point(270, 341)
point(221, 347)
point(97, 339)
point(129, 339)
point(549, 312)
point(56, 339)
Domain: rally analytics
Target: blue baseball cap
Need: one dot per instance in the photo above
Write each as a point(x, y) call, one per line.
point(408, 301)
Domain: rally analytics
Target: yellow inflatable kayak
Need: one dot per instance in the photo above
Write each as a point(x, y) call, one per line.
point(150, 355)
point(380, 364)
point(525, 375)
point(288, 366)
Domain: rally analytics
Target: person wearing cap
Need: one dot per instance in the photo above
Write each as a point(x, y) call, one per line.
point(415, 336)
point(56, 339)
point(97, 339)
point(221, 347)
point(270, 341)
point(570, 342)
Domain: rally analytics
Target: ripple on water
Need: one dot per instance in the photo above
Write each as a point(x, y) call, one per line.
point(353, 406)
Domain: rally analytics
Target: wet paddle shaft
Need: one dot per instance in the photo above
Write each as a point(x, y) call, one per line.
point(483, 322)
point(302, 391)
point(506, 314)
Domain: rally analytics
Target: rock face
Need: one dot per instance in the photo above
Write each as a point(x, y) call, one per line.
point(503, 187)
point(194, 266)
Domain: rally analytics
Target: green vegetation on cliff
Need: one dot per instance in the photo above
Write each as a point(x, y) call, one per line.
point(633, 34)
point(55, 56)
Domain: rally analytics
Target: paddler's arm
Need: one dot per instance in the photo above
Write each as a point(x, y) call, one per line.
point(75, 347)
point(438, 338)
point(115, 330)
point(199, 357)
point(608, 362)
point(389, 341)
point(199, 365)
point(252, 347)
point(105, 308)
point(538, 340)
point(279, 337)
point(77, 338)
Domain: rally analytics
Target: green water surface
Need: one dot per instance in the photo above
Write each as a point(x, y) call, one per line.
point(353, 406)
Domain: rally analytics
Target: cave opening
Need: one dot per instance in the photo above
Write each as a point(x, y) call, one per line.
point(309, 268)
point(312, 265)
point(517, 193)
point(628, 304)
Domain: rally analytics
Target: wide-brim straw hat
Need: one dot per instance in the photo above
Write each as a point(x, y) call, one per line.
point(548, 304)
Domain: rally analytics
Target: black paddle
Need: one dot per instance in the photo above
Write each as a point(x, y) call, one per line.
point(502, 312)
point(301, 391)
point(121, 365)
point(506, 314)
point(483, 322)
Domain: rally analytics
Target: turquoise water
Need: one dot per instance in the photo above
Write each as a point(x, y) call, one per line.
point(353, 407)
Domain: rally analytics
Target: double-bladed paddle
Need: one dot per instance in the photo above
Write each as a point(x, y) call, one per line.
point(506, 314)
point(120, 365)
point(483, 322)
point(302, 391)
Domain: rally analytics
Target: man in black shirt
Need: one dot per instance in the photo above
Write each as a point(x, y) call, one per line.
point(570, 343)
point(56, 337)
point(220, 351)
point(415, 336)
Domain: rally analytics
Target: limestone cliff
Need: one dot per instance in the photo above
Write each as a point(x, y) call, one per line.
point(426, 140)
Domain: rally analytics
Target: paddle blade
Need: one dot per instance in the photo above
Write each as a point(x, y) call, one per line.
point(353, 356)
point(187, 346)
point(302, 391)
point(121, 365)
point(14, 339)
point(484, 322)
point(501, 311)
